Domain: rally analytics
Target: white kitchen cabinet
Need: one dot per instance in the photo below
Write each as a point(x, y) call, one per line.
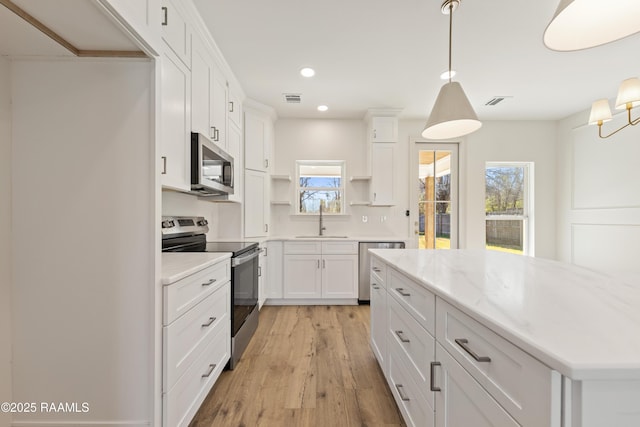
point(378, 322)
point(175, 122)
point(142, 17)
point(234, 110)
point(234, 148)
point(219, 88)
point(273, 288)
point(175, 30)
point(263, 274)
point(256, 206)
point(257, 141)
point(384, 129)
point(382, 174)
point(327, 270)
point(201, 78)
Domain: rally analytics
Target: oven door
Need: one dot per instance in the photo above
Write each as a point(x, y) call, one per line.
point(244, 284)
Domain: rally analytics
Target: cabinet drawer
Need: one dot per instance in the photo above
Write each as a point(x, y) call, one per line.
point(183, 400)
point(340, 248)
point(418, 301)
point(184, 294)
point(306, 247)
point(379, 270)
point(407, 336)
point(415, 409)
point(521, 384)
point(185, 338)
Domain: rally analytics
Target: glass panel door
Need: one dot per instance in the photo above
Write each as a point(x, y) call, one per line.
point(434, 195)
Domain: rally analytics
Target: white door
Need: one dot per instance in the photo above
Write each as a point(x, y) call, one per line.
point(302, 276)
point(340, 276)
point(434, 195)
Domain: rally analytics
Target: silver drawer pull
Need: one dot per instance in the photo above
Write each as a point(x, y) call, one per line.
point(210, 282)
point(432, 382)
point(402, 338)
point(376, 269)
point(375, 287)
point(401, 292)
point(211, 320)
point(403, 396)
point(463, 342)
point(211, 368)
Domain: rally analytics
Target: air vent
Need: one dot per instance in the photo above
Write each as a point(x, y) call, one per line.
point(496, 100)
point(292, 98)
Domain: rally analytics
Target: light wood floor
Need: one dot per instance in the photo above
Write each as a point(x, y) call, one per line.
point(305, 366)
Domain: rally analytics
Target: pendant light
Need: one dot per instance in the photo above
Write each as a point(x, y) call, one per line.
point(581, 24)
point(452, 115)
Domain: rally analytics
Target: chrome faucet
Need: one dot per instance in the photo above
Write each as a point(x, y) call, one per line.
point(321, 227)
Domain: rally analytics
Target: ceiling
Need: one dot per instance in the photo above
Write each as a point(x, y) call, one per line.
point(390, 54)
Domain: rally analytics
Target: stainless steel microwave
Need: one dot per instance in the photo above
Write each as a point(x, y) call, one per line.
point(211, 168)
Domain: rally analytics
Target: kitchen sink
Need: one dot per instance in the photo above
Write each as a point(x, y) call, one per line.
point(321, 237)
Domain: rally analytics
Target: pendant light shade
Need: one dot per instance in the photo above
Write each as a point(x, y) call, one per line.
point(581, 24)
point(600, 112)
point(452, 115)
point(628, 94)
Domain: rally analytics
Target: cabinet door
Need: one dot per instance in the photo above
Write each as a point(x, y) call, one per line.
point(302, 276)
point(462, 401)
point(142, 16)
point(382, 165)
point(262, 274)
point(384, 129)
point(175, 123)
point(340, 276)
point(379, 323)
point(273, 288)
point(201, 76)
point(254, 205)
point(175, 30)
point(234, 139)
point(255, 137)
point(219, 108)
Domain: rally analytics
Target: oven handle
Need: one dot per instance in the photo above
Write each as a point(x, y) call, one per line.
point(242, 259)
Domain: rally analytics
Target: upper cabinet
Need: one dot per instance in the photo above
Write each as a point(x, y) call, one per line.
point(175, 30)
point(384, 129)
point(382, 174)
point(141, 17)
point(219, 89)
point(257, 136)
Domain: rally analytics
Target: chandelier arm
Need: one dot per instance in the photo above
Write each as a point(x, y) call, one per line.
point(632, 122)
point(615, 131)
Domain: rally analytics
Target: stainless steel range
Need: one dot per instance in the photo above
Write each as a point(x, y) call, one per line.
point(188, 234)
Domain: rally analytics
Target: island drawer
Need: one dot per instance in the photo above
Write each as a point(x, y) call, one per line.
point(379, 270)
point(521, 384)
point(184, 294)
point(418, 301)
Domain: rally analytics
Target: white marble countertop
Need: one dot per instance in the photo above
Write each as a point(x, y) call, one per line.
point(178, 265)
point(584, 324)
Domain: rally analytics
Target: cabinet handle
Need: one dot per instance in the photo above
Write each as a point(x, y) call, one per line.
point(464, 343)
point(402, 338)
point(210, 282)
point(432, 381)
point(209, 323)
point(259, 271)
point(211, 368)
point(403, 396)
point(266, 228)
point(164, 165)
point(165, 18)
point(401, 292)
point(324, 265)
point(266, 163)
point(376, 269)
point(318, 261)
point(374, 196)
point(213, 132)
point(375, 286)
point(216, 134)
point(374, 134)
point(231, 106)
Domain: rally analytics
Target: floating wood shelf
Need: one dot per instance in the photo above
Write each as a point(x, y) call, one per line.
point(281, 202)
point(360, 178)
point(281, 177)
point(360, 203)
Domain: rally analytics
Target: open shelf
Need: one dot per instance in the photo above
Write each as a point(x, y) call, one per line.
point(281, 178)
point(360, 203)
point(360, 178)
point(281, 202)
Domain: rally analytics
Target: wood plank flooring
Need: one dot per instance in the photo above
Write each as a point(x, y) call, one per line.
point(306, 366)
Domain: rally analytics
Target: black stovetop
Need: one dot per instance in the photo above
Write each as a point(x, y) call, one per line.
point(199, 244)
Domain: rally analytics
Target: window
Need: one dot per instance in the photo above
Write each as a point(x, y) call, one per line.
point(507, 207)
point(320, 182)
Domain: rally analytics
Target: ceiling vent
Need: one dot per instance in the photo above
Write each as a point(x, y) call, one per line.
point(496, 100)
point(292, 98)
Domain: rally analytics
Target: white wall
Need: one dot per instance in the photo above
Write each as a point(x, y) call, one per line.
point(521, 141)
point(5, 239)
point(598, 204)
point(297, 139)
point(82, 244)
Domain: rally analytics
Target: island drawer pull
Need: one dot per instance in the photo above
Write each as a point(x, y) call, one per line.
point(210, 282)
point(376, 269)
point(403, 396)
point(402, 338)
point(211, 320)
point(432, 381)
point(211, 368)
point(375, 286)
point(463, 342)
point(401, 292)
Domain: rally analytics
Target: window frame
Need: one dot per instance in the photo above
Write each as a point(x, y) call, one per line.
point(528, 247)
point(341, 189)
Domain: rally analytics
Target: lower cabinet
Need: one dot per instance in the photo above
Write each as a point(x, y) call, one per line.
point(320, 270)
point(378, 325)
point(196, 340)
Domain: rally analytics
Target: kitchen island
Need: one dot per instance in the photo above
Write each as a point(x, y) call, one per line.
point(544, 342)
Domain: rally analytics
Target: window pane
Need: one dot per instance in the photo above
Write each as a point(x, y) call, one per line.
point(320, 181)
point(504, 190)
point(505, 235)
point(310, 201)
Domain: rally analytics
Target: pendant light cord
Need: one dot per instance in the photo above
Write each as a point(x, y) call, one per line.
point(450, 35)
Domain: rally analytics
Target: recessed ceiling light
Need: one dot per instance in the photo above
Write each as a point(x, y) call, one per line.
point(448, 75)
point(322, 108)
point(308, 72)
